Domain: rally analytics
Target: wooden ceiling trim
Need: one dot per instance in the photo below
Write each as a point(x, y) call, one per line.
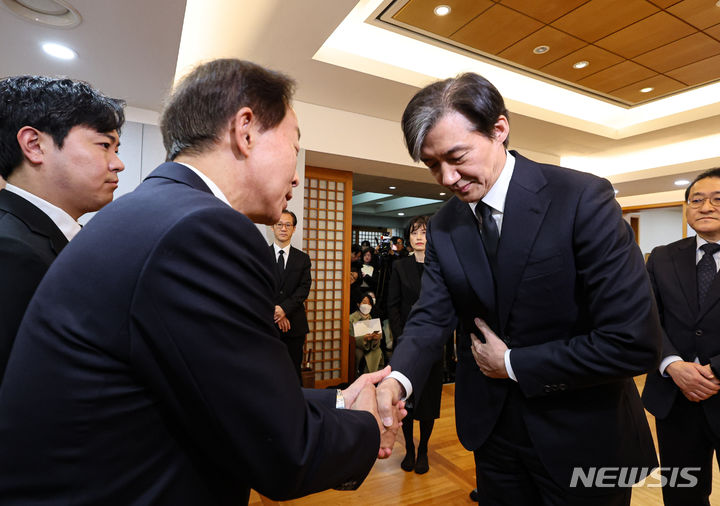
point(690, 49)
point(495, 29)
point(598, 58)
point(660, 84)
point(546, 11)
point(629, 44)
point(419, 13)
point(617, 76)
point(646, 35)
point(560, 43)
point(699, 13)
point(700, 72)
point(600, 18)
point(714, 31)
point(664, 4)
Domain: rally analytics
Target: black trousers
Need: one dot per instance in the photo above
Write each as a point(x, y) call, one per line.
point(510, 473)
point(295, 349)
point(686, 440)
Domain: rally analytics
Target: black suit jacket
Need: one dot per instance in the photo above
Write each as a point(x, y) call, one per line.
point(689, 331)
point(29, 242)
point(292, 290)
point(148, 369)
point(573, 302)
point(403, 291)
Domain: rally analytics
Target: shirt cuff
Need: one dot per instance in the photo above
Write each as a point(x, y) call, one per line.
point(404, 381)
point(666, 362)
point(508, 366)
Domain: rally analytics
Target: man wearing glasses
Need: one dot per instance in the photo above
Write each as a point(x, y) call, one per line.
point(682, 392)
point(293, 285)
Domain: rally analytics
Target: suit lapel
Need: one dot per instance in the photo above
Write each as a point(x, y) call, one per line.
point(683, 258)
point(36, 220)
point(524, 212)
point(471, 253)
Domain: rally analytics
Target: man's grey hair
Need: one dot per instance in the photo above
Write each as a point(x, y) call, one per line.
point(470, 94)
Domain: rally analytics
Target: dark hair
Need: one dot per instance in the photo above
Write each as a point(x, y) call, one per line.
point(414, 224)
point(714, 172)
point(355, 248)
point(202, 104)
point(471, 95)
point(52, 106)
point(366, 294)
point(372, 255)
point(294, 218)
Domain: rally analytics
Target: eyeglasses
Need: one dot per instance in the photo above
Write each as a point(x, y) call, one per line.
point(284, 225)
point(698, 202)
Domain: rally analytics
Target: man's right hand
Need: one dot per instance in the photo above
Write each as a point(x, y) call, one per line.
point(391, 410)
point(696, 382)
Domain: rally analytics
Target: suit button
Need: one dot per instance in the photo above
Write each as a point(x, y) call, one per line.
point(547, 389)
point(698, 332)
point(563, 386)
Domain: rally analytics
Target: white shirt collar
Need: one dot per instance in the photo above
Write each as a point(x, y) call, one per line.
point(286, 249)
point(67, 225)
point(209, 182)
point(496, 196)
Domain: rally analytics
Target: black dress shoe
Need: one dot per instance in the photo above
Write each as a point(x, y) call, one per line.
point(421, 465)
point(474, 496)
point(408, 463)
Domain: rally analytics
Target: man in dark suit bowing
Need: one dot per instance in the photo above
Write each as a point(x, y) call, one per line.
point(293, 286)
point(148, 369)
point(544, 277)
point(682, 392)
point(58, 153)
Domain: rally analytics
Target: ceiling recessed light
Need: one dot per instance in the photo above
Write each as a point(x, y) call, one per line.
point(541, 49)
point(647, 90)
point(392, 187)
point(682, 182)
point(442, 194)
point(401, 214)
point(581, 64)
point(442, 10)
point(59, 51)
point(55, 13)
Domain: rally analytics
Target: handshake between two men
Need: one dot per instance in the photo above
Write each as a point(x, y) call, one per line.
point(363, 396)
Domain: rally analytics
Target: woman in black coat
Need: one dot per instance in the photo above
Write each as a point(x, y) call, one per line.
point(404, 290)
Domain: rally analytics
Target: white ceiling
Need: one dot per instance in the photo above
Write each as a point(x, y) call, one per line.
point(133, 49)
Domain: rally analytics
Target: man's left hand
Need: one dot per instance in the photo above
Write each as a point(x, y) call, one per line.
point(284, 324)
point(490, 355)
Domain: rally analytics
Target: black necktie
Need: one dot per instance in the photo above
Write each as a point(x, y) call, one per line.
point(706, 270)
point(488, 230)
point(281, 264)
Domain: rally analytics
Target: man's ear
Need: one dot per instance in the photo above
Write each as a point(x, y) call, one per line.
point(243, 129)
point(32, 143)
point(501, 129)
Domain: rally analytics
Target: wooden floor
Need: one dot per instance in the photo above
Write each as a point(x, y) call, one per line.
point(451, 475)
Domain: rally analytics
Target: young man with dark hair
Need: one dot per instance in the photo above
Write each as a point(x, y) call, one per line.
point(555, 312)
point(161, 378)
point(58, 154)
point(682, 392)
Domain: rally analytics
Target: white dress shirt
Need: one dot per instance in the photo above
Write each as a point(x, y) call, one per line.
point(67, 225)
point(286, 249)
point(209, 182)
point(495, 199)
